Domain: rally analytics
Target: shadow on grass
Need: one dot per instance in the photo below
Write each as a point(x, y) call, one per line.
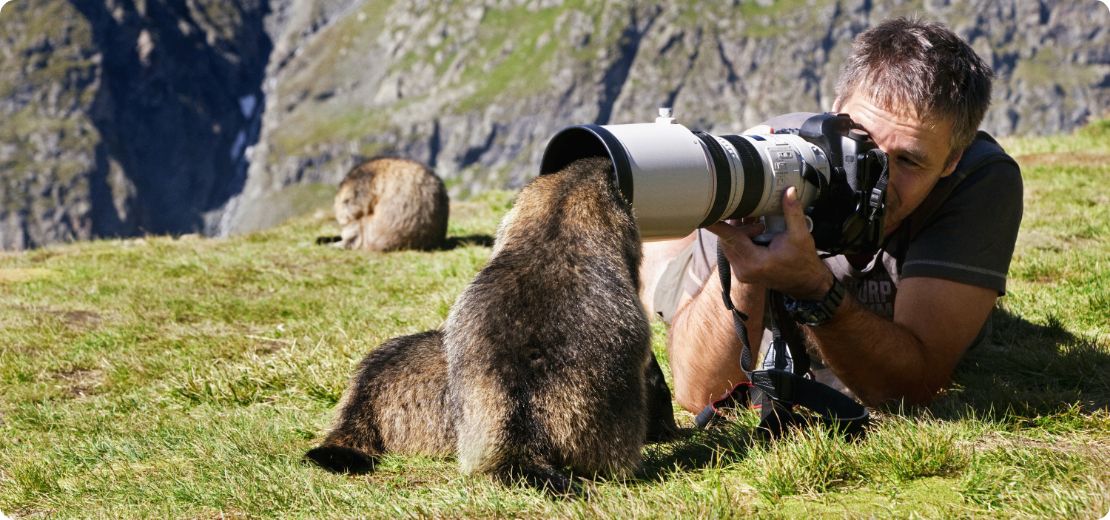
point(1028, 370)
point(448, 244)
point(695, 449)
point(467, 240)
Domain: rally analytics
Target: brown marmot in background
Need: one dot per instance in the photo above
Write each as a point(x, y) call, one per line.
point(547, 364)
point(386, 204)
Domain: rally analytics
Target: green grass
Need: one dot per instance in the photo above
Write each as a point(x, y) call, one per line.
point(164, 377)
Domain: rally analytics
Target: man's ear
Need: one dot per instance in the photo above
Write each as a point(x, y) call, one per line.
point(951, 166)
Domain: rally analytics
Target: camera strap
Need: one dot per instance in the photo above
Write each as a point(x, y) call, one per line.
point(778, 392)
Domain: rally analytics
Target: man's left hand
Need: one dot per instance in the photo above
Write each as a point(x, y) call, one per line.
point(789, 264)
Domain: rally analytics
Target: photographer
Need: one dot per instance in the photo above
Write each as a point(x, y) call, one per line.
point(909, 310)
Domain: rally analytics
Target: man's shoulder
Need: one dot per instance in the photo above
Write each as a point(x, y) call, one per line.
point(985, 157)
point(984, 189)
point(966, 228)
point(984, 170)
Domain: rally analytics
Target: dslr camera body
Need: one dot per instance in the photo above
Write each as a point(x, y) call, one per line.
point(677, 180)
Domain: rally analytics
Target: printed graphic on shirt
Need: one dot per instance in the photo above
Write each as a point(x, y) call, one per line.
point(877, 295)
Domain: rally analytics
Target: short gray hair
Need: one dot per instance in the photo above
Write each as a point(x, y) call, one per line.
point(923, 66)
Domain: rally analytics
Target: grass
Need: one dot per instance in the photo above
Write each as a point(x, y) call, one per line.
point(185, 377)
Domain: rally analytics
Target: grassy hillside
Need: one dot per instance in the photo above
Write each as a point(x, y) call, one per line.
point(165, 377)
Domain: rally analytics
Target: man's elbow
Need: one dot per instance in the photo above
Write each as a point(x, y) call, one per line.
point(690, 396)
point(922, 395)
point(913, 393)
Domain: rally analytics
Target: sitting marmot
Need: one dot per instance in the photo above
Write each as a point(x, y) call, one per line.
point(386, 204)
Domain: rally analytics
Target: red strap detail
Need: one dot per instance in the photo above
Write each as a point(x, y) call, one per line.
point(727, 396)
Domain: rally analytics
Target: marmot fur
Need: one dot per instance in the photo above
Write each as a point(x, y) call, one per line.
point(548, 347)
point(396, 402)
point(386, 204)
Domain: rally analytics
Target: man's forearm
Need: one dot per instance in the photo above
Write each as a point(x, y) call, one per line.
point(704, 351)
point(877, 358)
point(911, 357)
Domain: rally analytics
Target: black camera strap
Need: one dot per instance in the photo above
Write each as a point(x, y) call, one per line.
point(778, 391)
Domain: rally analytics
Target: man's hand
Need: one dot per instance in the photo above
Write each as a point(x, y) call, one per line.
point(789, 264)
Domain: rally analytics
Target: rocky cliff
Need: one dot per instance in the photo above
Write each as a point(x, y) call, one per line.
point(124, 117)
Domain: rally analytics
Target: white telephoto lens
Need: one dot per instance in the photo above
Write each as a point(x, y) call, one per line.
point(677, 180)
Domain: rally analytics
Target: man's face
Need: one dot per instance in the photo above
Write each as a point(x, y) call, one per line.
point(918, 150)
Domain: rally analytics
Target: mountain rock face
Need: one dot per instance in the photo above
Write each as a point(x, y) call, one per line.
point(124, 117)
point(121, 117)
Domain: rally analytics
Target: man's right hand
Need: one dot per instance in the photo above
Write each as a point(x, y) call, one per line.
point(789, 264)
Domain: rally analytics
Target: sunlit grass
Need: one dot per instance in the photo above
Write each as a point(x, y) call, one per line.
point(164, 377)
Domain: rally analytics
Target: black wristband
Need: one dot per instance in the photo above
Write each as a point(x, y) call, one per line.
point(816, 312)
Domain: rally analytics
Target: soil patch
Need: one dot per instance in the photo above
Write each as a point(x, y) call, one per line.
point(81, 382)
point(19, 274)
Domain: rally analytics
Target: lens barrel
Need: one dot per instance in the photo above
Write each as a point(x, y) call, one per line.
point(677, 180)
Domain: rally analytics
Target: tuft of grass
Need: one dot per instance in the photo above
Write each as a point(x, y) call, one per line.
point(809, 461)
point(817, 460)
point(1035, 480)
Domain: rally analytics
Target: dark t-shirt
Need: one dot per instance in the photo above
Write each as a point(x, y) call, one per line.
point(964, 231)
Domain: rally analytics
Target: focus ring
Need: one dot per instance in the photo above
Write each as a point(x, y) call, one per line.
point(723, 173)
point(753, 174)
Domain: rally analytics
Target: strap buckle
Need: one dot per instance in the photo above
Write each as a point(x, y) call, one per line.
point(738, 397)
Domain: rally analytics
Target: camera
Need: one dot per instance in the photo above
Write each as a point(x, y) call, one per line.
point(677, 180)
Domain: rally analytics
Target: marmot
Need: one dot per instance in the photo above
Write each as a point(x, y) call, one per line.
point(548, 347)
point(545, 364)
point(396, 402)
point(386, 204)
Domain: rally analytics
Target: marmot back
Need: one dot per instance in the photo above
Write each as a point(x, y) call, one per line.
point(548, 347)
point(396, 402)
point(386, 204)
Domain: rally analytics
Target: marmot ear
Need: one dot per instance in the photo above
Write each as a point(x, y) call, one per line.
point(340, 459)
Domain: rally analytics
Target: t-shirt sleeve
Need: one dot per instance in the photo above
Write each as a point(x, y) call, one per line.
point(971, 237)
